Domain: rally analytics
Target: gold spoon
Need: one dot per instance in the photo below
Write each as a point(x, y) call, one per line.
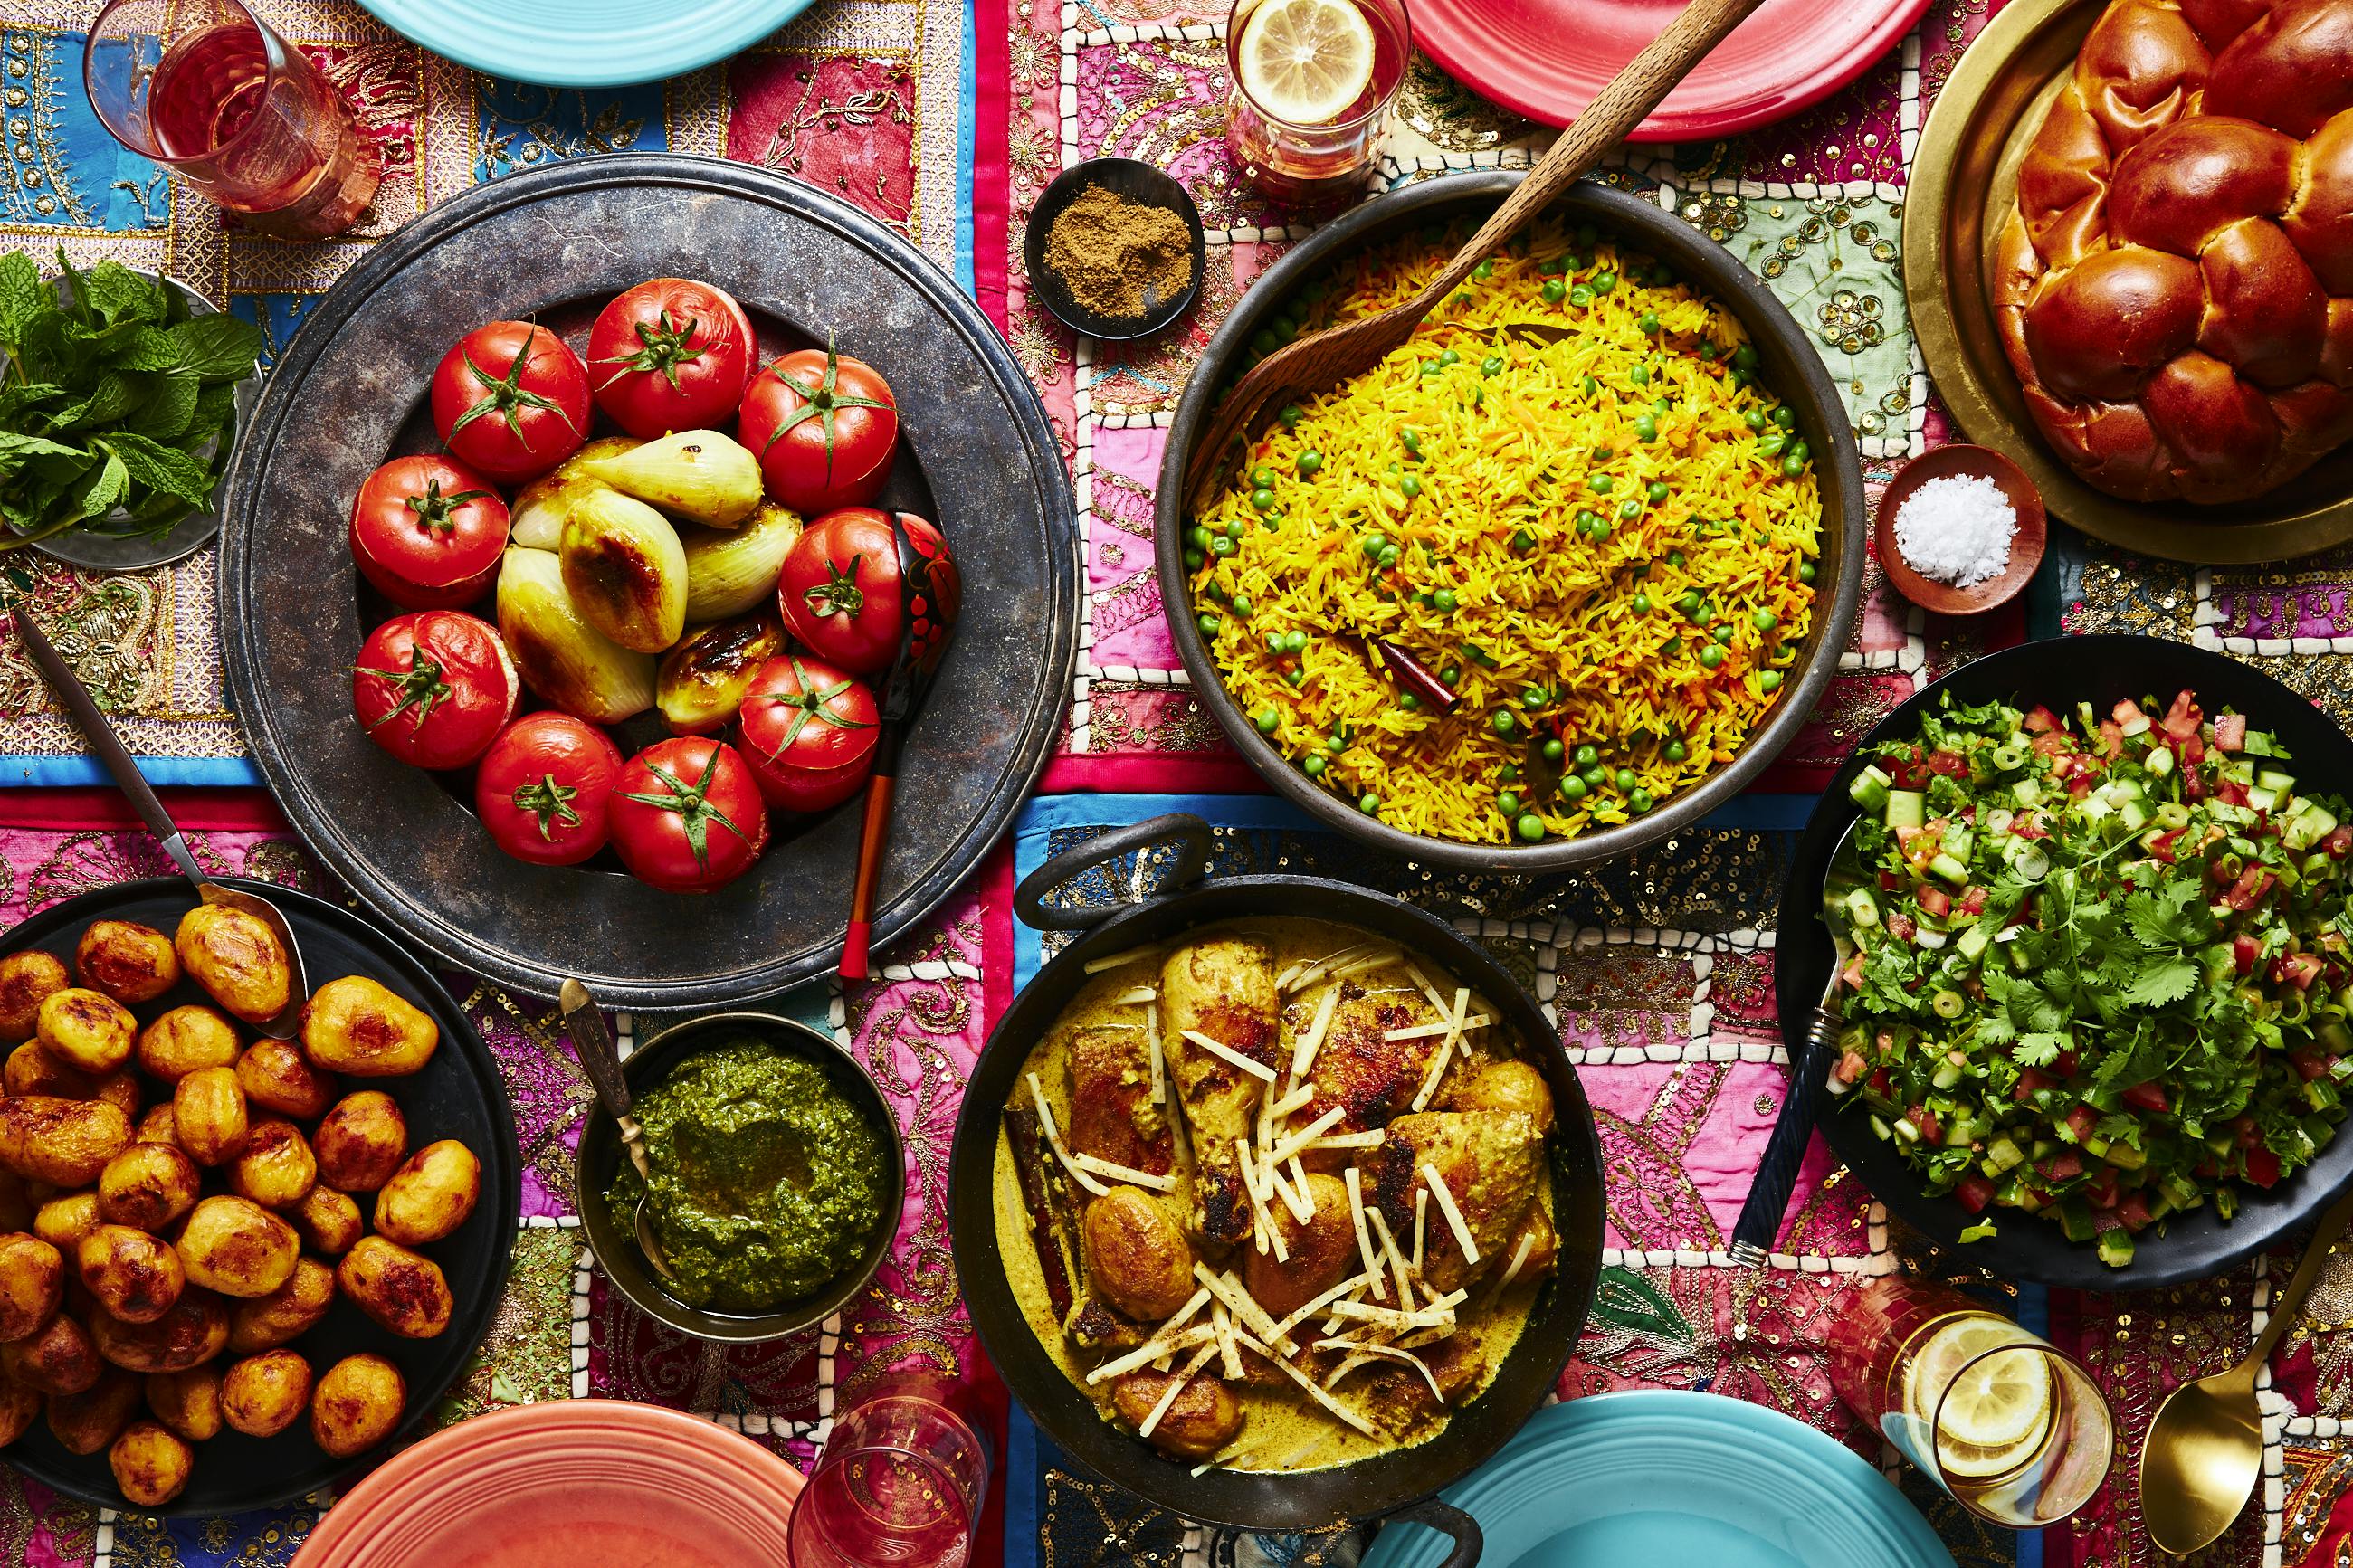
point(2205, 1449)
point(592, 1042)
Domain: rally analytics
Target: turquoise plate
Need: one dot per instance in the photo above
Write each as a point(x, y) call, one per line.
point(1671, 1478)
point(586, 43)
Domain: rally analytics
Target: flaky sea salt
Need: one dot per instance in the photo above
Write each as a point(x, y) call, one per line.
point(1956, 529)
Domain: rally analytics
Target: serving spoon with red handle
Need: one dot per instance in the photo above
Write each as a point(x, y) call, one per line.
point(1308, 365)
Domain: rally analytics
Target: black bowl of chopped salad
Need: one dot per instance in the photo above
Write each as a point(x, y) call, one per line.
point(2100, 1032)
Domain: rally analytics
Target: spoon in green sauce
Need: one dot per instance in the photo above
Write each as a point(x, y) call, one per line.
point(592, 1042)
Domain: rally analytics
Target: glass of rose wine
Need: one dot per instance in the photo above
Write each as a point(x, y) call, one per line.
point(899, 1484)
point(1313, 82)
point(2013, 1428)
point(204, 88)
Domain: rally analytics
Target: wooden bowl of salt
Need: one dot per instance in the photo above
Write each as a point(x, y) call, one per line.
point(1960, 530)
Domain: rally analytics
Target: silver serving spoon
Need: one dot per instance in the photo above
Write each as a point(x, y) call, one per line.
point(100, 733)
point(592, 1042)
point(1777, 1174)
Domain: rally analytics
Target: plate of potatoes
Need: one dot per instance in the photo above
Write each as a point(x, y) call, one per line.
point(234, 1269)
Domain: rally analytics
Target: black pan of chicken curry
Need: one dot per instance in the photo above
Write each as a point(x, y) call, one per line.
point(1275, 1199)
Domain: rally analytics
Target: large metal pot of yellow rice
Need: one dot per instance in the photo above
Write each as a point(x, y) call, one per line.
point(1631, 541)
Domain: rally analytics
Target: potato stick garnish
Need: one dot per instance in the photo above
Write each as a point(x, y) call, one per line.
point(1364, 1234)
point(1168, 1395)
point(1446, 1048)
point(1421, 1213)
point(1299, 1185)
point(1159, 1065)
point(1113, 960)
point(1120, 1172)
point(1153, 1350)
point(1257, 1069)
point(1303, 1055)
point(1370, 1138)
point(1054, 1138)
point(1307, 1135)
point(1300, 1095)
point(1432, 1031)
point(1229, 1353)
point(1136, 997)
point(1325, 1400)
point(1390, 1250)
point(1317, 1305)
point(1511, 1270)
point(1230, 1290)
point(1445, 1197)
point(1292, 1191)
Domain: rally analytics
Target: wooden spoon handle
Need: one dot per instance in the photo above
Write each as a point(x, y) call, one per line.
point(1620, 106)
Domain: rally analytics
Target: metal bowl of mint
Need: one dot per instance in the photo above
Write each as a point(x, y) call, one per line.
point(775, 1178)
point(123, 395)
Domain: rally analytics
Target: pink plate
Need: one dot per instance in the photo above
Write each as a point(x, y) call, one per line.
point(564, 1484)
point(1547, 59)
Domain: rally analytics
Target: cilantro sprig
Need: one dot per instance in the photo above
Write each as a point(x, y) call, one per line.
point(116, 405)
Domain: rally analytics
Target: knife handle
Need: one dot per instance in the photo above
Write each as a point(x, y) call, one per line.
point(1777, 1174)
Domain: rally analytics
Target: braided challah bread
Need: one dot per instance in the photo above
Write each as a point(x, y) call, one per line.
point(2175, 287)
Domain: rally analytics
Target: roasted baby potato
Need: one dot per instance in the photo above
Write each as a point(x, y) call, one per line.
point(264, 1395)
point(135, 1277)
point(190, 1334)
point(403, 1292)
point(148, 1185)
point(151, 1463)
point(361, 1141)
point(26, 980)
point(159, 1126)
point(357, 1404)
point(32, 1070)
point(277, 1168)
point(188, 1402)
point(237, 959)
point(64, 1219)
point(208, 1115)
point(86, 1029)
point(431, 1194)
point(186, 1038)
point(327, 1221)
point(130, 962)
point(1202, 1419)
point(59, 1358)
point(237, 1248)
point(32, 1284)
point(87, 1420)
point(268, 1322)
point(19, 1406)
point(64, 1142)
point(356, 1026)
point(277, 1078)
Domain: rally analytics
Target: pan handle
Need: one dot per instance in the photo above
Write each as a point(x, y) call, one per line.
point(1447, 1520)
point(1192, 841)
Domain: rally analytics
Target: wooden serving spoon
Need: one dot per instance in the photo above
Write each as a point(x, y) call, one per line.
point(1308, 365)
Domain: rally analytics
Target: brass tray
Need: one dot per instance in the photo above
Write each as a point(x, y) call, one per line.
point(1964, 183)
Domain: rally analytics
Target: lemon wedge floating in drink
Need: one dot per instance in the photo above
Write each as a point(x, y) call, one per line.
point(1306, 62)
point(1997, 1410)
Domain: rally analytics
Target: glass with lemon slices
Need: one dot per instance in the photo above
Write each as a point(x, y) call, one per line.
point(2016, 1431)
point(1311, 84)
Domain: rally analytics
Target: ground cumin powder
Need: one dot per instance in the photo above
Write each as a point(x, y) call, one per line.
point(1119, 257)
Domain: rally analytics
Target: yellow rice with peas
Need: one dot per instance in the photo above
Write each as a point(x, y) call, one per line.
point(1605, 543)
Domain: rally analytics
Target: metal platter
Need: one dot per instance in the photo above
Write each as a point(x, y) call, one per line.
point(458, 1095)
point(553, 246)
point(1964, 183)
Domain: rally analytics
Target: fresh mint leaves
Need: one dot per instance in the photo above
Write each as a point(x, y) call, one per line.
point(116, 406)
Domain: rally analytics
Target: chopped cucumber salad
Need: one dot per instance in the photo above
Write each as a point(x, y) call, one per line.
point(2105, 962)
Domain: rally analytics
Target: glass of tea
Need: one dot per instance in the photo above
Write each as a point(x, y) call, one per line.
point(1312, 80)
point(899, 1484)
point(203, 88)
point(2012, 1427)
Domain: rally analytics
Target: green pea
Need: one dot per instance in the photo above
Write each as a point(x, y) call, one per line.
point(1792, 466)
point(1492, 365)
point(1261, 498)
point(1291, 415)
point(1603, 454)
point(1508, 804)
point(1640, 375)
point(1451, 675)
point(1690, 602)
point(1587, 757)
point(1657, 492)
point(1450, 357)
point(1587, 236)
point(1234, 530)
point(1192, 559)
point(1264, 342)
point(1553, 290)
point(1222, 546)
point(1309, 461)
point(1534, 697)
point(1711, 656)
point(1764, 620)
point(1649, 322)
point(1601, 527)
point(1522, 542)
point(1771, 446)
point(1646, 428)
point(1295, 642)
point(1586, 517)
point(1769, 682)
point(1552, 751)
point(1642, 604)
point(1368, 803)
point(1754, 419)
point(1674, 557)
point(1208, 625)
point(1374, 545)
point(1410, 486)
point(1553, 268)
point(1722, 635)
point(1481, 273)
point(1581, 296)
point(1676, 751)
point(1707, 351)
point(1745, 356)
point(1630, 509)
point(1531, 827)
point(1478, 397)
point(1504, 722)
point(1806, 571)
point(1336, 744)
point(1266, 719)
point(1625, 780)
point(1430, 367)
point(1573, 787)
point(1409, 701)
point(1799, 450)
point(1661, 403)
point(1412, 440)
point(1785, 416)
point(1640, 800)
point(1674, 644)
point(1218, 592)
point(1197, 536)
point(1604, 281)
point(1444, 601)
point(1589, 385)
point(1600, 484)
point(1313, 767)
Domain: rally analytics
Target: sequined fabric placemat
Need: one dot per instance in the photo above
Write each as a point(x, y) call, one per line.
point(561, 1330)
point(863, 98)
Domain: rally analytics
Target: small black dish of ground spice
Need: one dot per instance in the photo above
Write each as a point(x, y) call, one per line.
point(1114, 249)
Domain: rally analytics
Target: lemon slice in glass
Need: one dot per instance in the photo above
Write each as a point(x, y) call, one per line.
point(1306, 62)
point(1996, 1409)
